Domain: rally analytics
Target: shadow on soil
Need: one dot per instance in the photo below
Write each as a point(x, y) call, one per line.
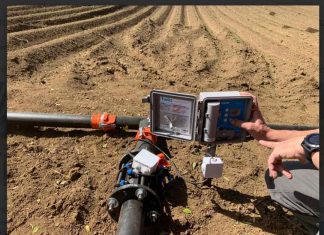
point(50, 132)
point(175, 195)
point(271, 216)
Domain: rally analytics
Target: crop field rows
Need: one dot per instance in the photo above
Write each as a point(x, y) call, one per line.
point(85, 59)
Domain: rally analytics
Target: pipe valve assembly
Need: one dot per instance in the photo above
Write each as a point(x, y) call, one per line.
point(144, 172)
point(142, 176)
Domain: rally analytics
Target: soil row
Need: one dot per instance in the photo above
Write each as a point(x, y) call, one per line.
point(28, 38)
point(25, 22)
point(37, 9)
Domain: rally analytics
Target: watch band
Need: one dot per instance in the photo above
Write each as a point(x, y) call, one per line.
point(310, 146)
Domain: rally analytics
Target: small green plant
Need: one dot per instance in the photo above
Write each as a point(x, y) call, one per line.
point(187, 211)
point(34, 228)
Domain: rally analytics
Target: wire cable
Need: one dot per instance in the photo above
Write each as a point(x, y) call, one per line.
point(196, 183)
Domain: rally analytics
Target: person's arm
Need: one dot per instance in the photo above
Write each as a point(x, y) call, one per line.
point(315, 159)
point(258, 128)
point(288, 149)
point(282, 135)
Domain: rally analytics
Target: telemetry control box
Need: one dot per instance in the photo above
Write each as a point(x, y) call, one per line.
point(206, 118)
point(145, 162)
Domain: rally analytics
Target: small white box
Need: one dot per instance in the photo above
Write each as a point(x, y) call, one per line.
point(145, 162)
point(212, 167)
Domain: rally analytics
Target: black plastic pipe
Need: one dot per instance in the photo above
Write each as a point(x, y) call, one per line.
point(131, 122)
point(49, 120)
point(131, 219)
point(132, 214)
point(84, 121)
point(292, 127)
point(65, 120)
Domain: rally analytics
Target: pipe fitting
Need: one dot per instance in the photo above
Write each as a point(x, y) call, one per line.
point(153, 216)
point(112, 203)
point(140, 194)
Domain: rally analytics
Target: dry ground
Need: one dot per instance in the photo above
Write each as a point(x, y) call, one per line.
point(82, 59)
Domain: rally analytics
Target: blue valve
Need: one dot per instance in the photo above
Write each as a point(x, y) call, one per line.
point(130, 171)
point(128, 164)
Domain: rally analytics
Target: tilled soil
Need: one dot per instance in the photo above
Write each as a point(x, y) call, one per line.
point(85, 59)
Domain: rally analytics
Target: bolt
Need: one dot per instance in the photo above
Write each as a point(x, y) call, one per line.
point(140, 193)
point(153, 216)
point(112, 203)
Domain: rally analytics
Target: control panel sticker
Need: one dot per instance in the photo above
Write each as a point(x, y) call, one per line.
point(229, 110)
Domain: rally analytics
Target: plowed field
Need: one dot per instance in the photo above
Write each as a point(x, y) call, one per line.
point(85, 59)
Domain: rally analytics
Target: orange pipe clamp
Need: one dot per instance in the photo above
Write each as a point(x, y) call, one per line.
point(103, 121)
point(163, 160)
point(145, 133)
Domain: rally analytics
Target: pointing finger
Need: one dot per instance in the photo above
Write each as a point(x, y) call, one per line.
point(244, 125)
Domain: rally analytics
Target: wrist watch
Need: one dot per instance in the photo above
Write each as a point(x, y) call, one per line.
point(311, 144)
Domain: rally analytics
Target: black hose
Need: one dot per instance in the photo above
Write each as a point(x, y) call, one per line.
point(291, 127)
point(129, 122)
point(131, 219)
point(48, 120)
point(84, 121)
point(65, 120)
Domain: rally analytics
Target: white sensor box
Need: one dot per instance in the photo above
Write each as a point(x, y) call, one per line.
point(145, 162)
point(212, 167)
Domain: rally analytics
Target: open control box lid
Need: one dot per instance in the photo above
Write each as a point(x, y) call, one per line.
point(173, 115)
point(205, 118)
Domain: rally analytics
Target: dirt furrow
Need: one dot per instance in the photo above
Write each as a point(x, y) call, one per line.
point(239, 65)
point(281, 16)
point(177, 16)
point(280, 57)
point(29, 59)
point(38, 9)
point(113, 58)
point(160, 19)
point(173, 49)
point(29, 38)
point(301, 13)
point(148, 29)
point(272, 72)
point(83, 15)
point(270, 22)
point(260, 41)
point(277, 35)
point(20, 23)
point(134, 42)
point(71, 17)
point(174, 13)
point(192, 18)
point(306, 27)
point(182, 15)
point(45, 15)
point(20, 7)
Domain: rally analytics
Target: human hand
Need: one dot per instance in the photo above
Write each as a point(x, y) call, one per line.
point(288, 149)
point(256, 126)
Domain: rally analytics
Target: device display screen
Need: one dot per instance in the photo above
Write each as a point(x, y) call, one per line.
point(229, 110)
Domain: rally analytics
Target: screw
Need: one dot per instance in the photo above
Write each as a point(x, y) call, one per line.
point(153, 216)
point(112, 203)
point(140, 193)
